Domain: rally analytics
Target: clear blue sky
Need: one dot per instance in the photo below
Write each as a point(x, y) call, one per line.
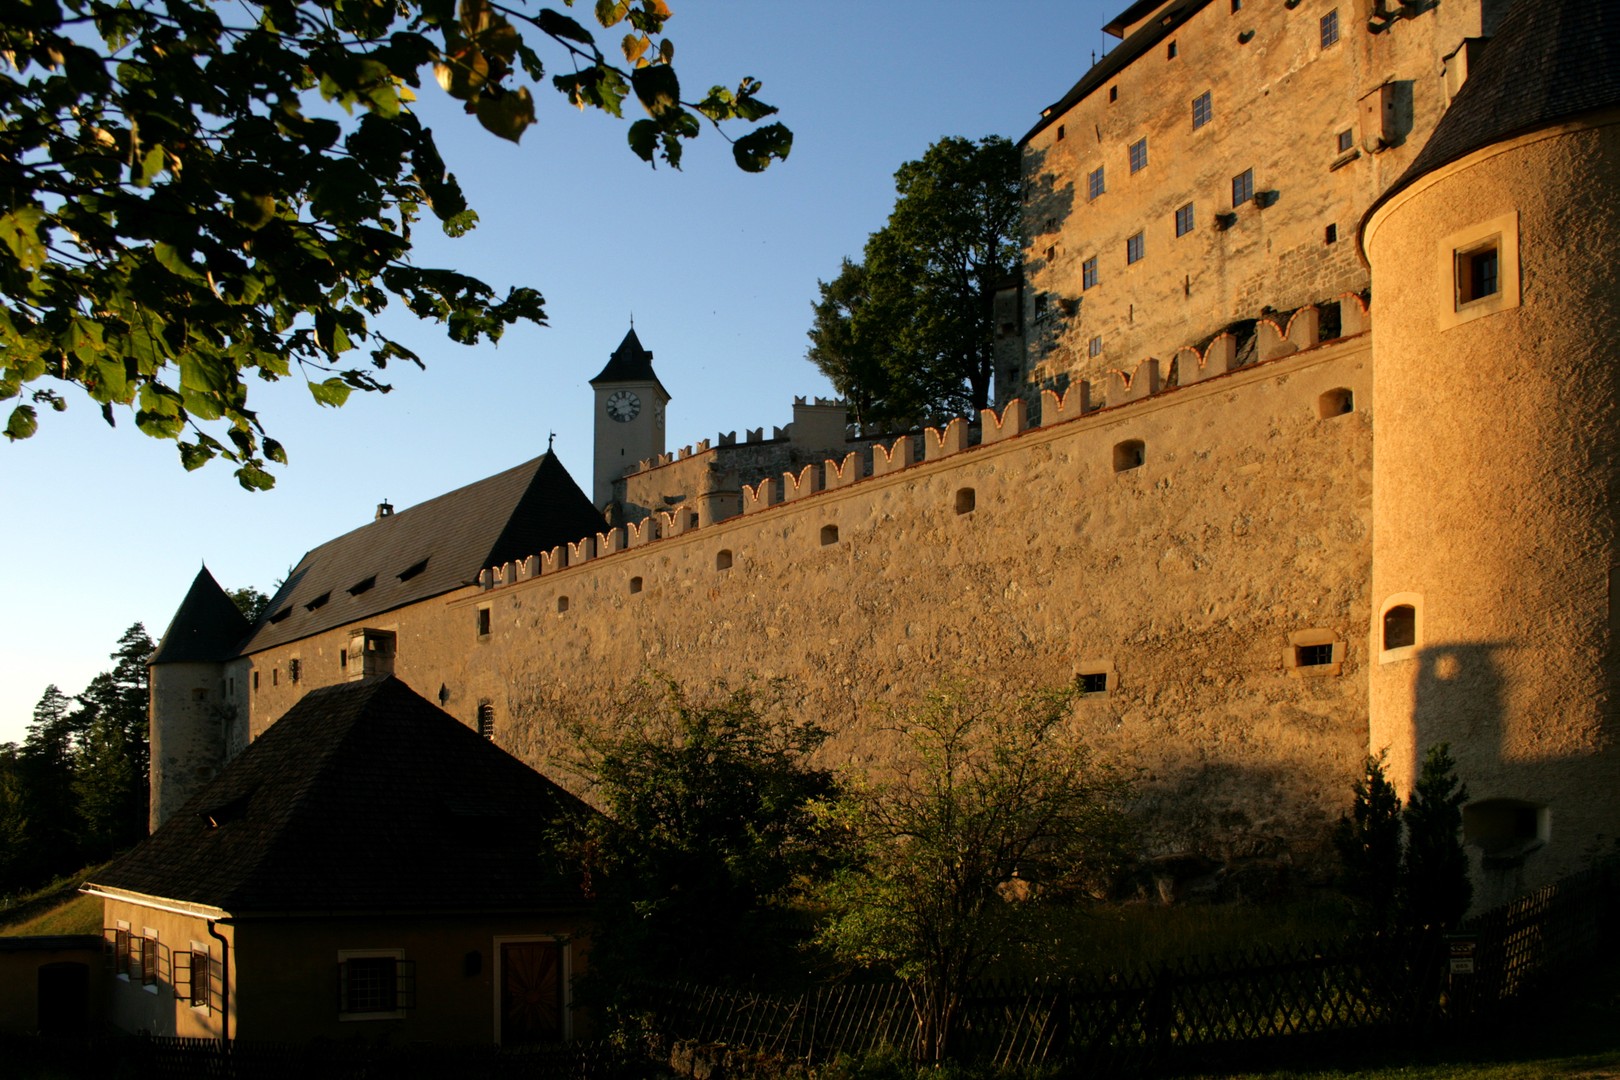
point(718, 267)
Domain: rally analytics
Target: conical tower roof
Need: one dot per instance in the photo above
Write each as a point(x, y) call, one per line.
point(207, 628)
point(629, 363)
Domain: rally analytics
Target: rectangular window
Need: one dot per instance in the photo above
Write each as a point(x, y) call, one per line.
point(1095, 682)
point(1184, 220)
point(1138, 155)
point(483, 622)
point(255, 680)
point(120, 943)
point(1088, 273)
point(1170, 51)
point(1133, 249)
point(1094, 183)
point(1330, 28)
point(1330, 235)
point(295, 668)
point(1203, 110)
point(1313, 655)
point(1477, 274)
point(374, 984)
point(1043, 307)
point(1095, 348)
point(1347, 139)
point(1242, 187)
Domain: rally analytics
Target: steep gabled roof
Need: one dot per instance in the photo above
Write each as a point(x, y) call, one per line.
point(1550, 60)
point(430, 549)
point(629, 363)
point(206, 628)
point(363, 797)
point(1121, 56)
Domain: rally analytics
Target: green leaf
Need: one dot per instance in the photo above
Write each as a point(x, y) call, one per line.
point(253, 478)
point(561, 26)
point(333, 391)
point(169, 257)
point(19, 229)
point(253, 211)
point(507, 114)
point(657, 88)
point(756, 150)
point(643, 138)
point(274, 451)
point(194, 455)
point(150, 166)
point(22, 424)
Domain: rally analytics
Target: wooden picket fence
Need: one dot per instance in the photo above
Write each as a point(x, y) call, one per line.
point(1238, 1009)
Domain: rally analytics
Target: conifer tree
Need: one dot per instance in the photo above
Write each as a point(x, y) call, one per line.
point(1369, 844)
point(1435, 886)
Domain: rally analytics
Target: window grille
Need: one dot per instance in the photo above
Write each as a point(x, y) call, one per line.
point(1094, 682)
point(1330, 28)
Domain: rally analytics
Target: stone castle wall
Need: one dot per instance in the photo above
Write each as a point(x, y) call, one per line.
point(1279, 102)
point(1187, 580)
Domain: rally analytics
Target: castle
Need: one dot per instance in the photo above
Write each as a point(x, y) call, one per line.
point(1304, 447)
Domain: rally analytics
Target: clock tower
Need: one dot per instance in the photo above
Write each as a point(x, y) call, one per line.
point(630, 405)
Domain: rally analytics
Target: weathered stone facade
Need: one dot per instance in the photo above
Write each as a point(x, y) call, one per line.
point(1265, 545)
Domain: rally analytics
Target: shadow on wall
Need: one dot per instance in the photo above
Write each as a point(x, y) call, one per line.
point(1459, 697)
point(1047, 207)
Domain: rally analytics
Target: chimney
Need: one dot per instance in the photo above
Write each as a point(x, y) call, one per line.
point(384, 509)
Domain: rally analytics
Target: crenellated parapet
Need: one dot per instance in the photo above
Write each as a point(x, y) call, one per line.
point(880, 457)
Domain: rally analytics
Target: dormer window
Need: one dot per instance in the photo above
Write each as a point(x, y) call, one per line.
point(412, 570)
point(361, 586)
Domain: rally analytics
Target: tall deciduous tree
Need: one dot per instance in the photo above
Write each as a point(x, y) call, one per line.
point(173, 221)
point(909, 333)
point(707, 798)
point(995, 810)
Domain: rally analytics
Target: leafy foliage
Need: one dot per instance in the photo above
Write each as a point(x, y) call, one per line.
point(1436, 890)
point(994, 811)
point(193, 194)
point(707, 828)
point(250, 602)
point(909, 333)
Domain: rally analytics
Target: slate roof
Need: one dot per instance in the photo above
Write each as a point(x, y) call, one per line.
point(363, 797)
point(205, 629)
point(629, 363)
point(1549, 60)
point(430, 549)
point(1121, 56)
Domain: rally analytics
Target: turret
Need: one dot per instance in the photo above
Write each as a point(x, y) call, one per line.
point(1496, 615)
point(190, 706)
point(630, 405)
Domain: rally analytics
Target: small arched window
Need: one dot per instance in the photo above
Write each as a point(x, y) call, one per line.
point(486, 720)
point(562, 604)
point(635, 584)
point(1400, 627)
point(1129, 455)
point(1335, 403)
point(722, 560)
point(966, 500)
point(829, 535)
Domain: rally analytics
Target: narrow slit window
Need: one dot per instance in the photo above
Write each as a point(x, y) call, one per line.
point(483, 622)
point(486, 720)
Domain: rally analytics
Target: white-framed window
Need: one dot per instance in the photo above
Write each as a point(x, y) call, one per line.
point(1314, 653)
point(1480, 268)
point(1399, 630)
point(375, 984)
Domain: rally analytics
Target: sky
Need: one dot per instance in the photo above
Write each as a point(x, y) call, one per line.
point(717, 267)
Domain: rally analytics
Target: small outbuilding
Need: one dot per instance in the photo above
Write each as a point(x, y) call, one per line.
point(369, 866)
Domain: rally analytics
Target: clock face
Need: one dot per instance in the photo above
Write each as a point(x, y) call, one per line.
point(623, 406)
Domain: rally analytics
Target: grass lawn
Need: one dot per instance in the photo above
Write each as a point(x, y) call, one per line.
point(57, 908)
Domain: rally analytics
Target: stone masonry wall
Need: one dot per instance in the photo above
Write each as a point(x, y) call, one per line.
point(1187, 579)
point(1279, 102)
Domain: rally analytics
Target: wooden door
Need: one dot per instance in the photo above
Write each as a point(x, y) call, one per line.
point(531, 992)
